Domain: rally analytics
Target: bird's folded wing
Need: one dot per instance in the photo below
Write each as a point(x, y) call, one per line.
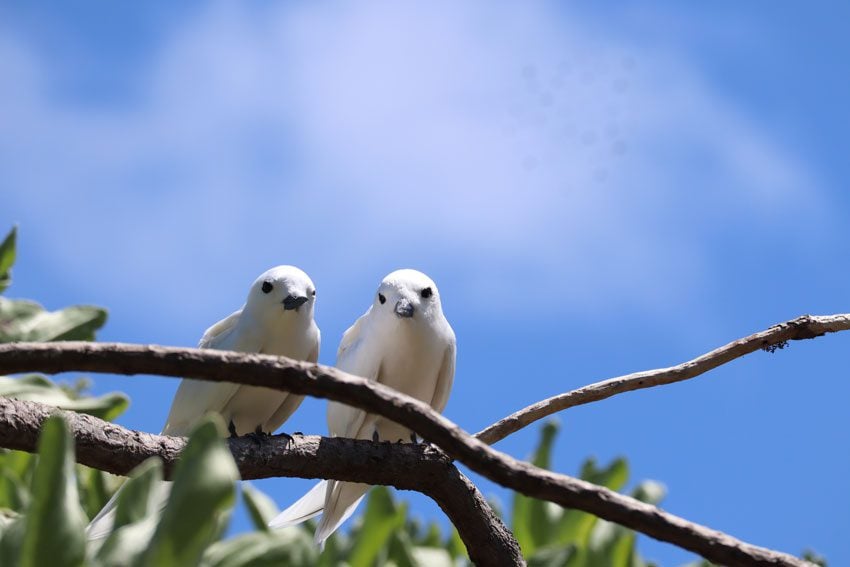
point(217, 332)
point(358, 355)
point(445, 379)
point(291, 401)
point(196, 398)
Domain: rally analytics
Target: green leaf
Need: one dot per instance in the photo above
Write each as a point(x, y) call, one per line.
point(7, 258)
point(12, 541)
point(432, 537)
point(559, 556)
point(337, 547)
point(23, 385)
point(54, 524)
point(432, 557)
point(137, 498)
point(92, 485)
point(575, 526)
point(126, 545)
point(28, 321)
point(610, 545)
point(261, 508)
point(290, 547)
point(535, 520)
point(106, 407)
point(455, 545)
point(381, 518)
point(650, 492)
point(14, 494)
point(614, 545)
point(203, 492)
point(613, 477)
point(400, 550)
point(813, 557)
point(37, 388)
point(20, 463)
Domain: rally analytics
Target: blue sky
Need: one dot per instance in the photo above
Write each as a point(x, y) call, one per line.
point(596, 189)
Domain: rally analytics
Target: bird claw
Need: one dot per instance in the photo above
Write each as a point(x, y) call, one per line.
point(288, 437)
point(259, 436)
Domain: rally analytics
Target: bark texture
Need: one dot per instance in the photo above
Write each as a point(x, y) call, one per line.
point(423, 468)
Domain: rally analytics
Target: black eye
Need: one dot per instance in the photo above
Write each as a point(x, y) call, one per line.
point(314, 293)
point(267, 287)
point(426, 293)
point(381, 298)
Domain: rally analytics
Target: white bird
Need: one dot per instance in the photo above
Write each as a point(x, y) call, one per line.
point(277, 319)
point(403, 341)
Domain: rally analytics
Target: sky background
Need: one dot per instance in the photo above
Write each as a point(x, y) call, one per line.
point(597, 189)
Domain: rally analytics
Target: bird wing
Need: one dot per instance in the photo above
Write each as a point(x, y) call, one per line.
point(291, 402)
point(195, 398)
point(350, 336)
point(358, 356)
point(445, 379)
point(220, 330)
point(352, 357)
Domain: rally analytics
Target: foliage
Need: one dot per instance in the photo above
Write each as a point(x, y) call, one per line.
point(551, 535)
point(7, 258)
point(24, 320)
point(188, 531)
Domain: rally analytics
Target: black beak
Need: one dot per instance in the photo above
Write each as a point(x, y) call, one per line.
point(293, 302)
point(404, 308)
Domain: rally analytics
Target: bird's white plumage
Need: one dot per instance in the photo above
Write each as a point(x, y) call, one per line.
point(264, 325)
point(414, 354)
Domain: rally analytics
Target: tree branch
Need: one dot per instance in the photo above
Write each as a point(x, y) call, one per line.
point(423, 468)
point(805, 327)
point(321, 381)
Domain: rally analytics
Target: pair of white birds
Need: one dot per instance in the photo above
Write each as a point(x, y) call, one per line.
point(403, 341)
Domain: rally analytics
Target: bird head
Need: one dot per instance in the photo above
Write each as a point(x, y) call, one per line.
point(282, 291)
point(407, 295)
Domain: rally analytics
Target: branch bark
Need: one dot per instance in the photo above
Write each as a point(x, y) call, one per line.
point(317, 380)
point(423, 468)
point(805, 327)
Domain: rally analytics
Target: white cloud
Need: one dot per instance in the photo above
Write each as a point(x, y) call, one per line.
point(482, 138)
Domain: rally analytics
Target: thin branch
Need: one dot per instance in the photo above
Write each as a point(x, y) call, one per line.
point(325, 382)
point(805, 327)
point(423, 468)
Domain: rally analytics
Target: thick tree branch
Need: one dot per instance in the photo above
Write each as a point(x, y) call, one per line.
point(805, 327)
point(423, 468)
point(317, 380)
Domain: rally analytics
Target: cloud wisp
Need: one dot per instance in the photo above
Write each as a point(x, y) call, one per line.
point(479, 138)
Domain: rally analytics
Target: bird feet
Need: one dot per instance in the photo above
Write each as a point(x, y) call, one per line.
point(260, 437)
point(288, 438)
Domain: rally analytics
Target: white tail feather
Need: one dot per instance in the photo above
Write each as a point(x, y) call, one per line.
point(341, 502)
point(101, 525)
point(308, 506)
